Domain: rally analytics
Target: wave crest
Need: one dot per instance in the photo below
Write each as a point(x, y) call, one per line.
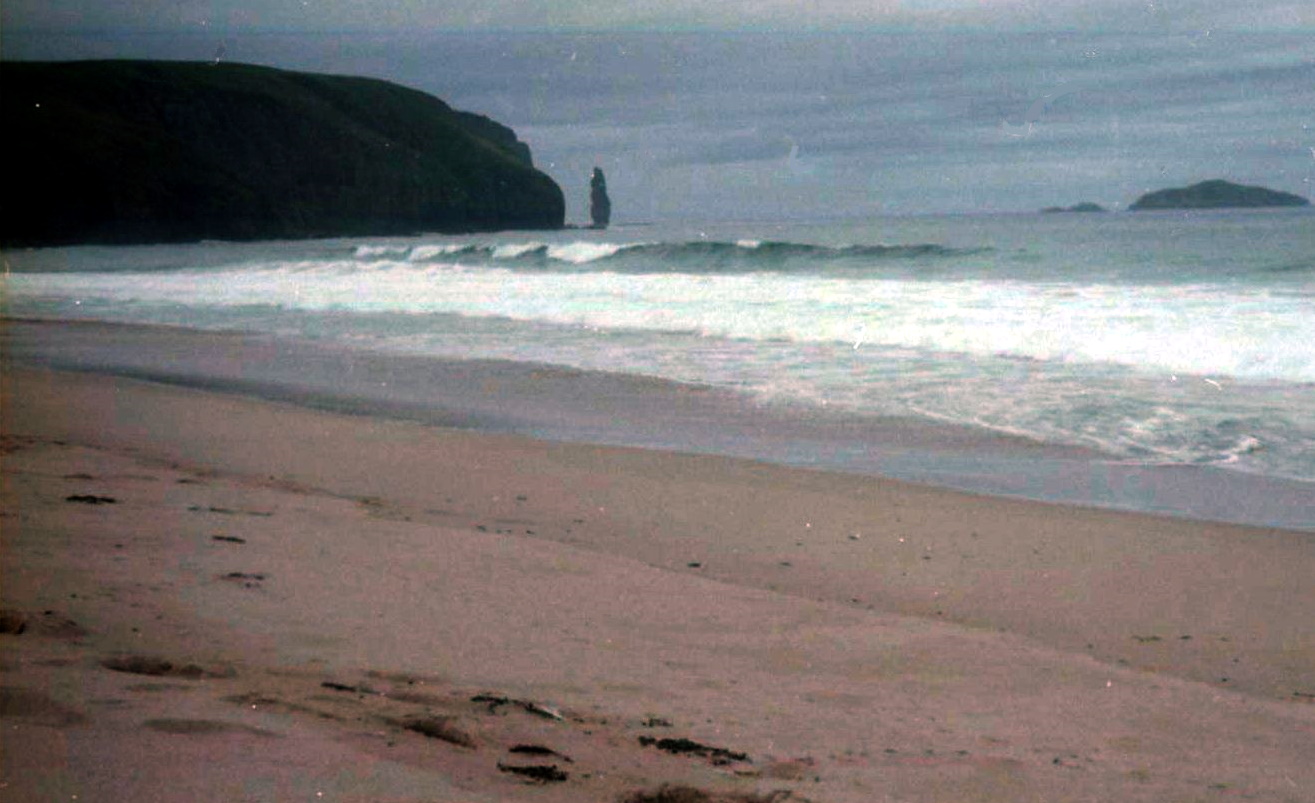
point(696, 256)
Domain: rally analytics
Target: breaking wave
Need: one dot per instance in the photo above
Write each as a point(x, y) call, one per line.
point(698, 256)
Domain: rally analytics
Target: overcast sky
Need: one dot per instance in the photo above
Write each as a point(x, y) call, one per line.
point(435, 15)
point(969, 105)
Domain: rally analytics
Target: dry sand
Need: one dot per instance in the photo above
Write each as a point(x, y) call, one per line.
point(211, 598)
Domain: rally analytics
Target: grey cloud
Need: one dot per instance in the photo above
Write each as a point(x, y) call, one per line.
point(225, 16)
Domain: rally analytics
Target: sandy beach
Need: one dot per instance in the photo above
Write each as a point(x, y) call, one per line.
point(213, 597)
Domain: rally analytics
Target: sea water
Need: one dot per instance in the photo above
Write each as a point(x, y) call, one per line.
point(1149, 338)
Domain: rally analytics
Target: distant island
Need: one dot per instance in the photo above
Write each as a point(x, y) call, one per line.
point(150, 151)
point(1085, 206)
point(1216, 194)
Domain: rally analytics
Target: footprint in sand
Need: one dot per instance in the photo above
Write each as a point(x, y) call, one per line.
point(245, 579)
point(203, 727)
point(47, 623)
point(37, 708)
point(161, 667)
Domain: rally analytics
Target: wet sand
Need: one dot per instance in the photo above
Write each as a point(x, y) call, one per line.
point(214, 597)
point(562, 404)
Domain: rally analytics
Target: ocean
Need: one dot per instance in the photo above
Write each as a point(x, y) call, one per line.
point(1136, 343)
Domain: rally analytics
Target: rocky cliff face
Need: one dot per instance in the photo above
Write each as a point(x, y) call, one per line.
point(1217, 194)
point(131, 152)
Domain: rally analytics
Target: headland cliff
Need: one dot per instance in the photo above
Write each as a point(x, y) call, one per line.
point(149, 151)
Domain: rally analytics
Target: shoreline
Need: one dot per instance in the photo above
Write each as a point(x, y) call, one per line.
point(332, 576)
point(569, 405)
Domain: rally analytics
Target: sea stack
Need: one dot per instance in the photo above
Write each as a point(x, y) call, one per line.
point(600, 206)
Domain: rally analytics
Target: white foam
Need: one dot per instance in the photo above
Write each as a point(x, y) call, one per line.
point(373, 251)
point(581, 253)
point(514, 250)
point(1212, 373)
point(1206, 331)
point(424, 253)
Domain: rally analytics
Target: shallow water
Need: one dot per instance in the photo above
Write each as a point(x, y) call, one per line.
point(1158, 339)
point(1122, 348)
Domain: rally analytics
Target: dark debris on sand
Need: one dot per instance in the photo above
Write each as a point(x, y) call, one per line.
point(536, 773)
point(159, 667)
point(245, 579)
point(495, 702)
point(226, 511)
point(91, 499)
point(335, 686)
point(441, 728)
point(689, 794)
point(717, 755)
point(537, 750)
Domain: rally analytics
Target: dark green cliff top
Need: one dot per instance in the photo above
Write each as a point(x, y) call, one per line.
point(147, 151)
point(1216, 194)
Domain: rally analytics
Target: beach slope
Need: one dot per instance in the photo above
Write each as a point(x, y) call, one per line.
point(209, 597)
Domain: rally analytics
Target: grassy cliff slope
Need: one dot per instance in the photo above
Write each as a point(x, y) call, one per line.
point(137, 151)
